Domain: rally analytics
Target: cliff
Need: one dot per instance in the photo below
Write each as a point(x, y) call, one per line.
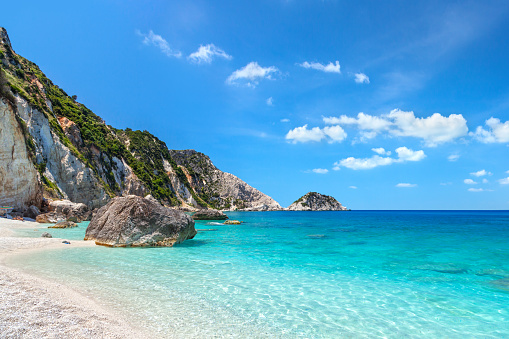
point(313, 201)
point(52, 145)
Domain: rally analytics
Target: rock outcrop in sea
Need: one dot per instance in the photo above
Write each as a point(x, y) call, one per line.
point(133, 221)
point(313, 201)
point(53, 146)
point(209, 215)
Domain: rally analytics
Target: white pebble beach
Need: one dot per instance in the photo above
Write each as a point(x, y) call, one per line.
point(31, 307)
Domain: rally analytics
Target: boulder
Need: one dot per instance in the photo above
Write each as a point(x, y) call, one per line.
point(66, 209)
point(64, 224)
point(47, 218)
point(135, 221)
point(209, 215)
point(46, 235)
point(32, 212)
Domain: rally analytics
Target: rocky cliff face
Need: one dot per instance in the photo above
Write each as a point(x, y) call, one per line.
point(50, 144)
point(313, 201)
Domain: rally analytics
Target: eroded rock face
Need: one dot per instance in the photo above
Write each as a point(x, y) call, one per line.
point(135, 221)
point(209, 215)
point(19, 181)
point(313, 201)
point(66, 209)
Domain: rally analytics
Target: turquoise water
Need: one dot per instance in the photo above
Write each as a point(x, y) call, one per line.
point(306, 274)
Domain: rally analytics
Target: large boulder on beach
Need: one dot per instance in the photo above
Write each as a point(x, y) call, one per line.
point(209, 215)
point(135, 221)
point(32, 212)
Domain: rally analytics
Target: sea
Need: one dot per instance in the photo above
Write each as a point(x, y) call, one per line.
point(348, 274)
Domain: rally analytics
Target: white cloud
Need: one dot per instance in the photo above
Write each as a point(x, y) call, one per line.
point(205, 54)
point(404, 155)
point(330, 68)
point(251, 73)
point(156, 40)
point(381, 151)
point(285, 120)
point(405, 185)
point(303, 134)
point(361, 78)
point(453, 157)
point(363, 122)
point(353, 187)
point(481, 173)
point(335, 133)
point(479, 190)
point(320, 170)
point(434, 129)
point(469, 182)
point(496, 132)
point(504, 181)
point(446, 183)
point(485, 181)
point(269, 102)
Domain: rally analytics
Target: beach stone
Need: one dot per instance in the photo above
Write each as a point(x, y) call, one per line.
point(32, 212)
point(64, 224)
point(46, 218)
point(46, 235)
point(73, 219)
point(135, 221)
point(209, 215)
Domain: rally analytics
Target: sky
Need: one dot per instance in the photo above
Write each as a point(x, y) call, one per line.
point(383, 105)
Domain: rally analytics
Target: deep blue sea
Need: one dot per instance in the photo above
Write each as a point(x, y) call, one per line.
point(386, 274)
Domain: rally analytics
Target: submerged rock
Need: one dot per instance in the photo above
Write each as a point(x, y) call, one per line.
point(313, 201)
point(232, 222)
point(135, 221)
point(64, 224)
point(209, 215)
point(46, 235)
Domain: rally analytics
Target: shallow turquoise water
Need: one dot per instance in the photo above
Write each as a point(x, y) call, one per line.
point(307, 274)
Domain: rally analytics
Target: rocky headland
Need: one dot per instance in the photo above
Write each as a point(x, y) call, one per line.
point(313, 201)
point(54, 147)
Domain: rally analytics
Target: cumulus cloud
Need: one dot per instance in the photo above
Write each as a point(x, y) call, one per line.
point(404, 155)
point(269, 101)
point(330, 68)
point(496, 131)
point(303, 134)
point(361, 78)
point(251, 74)
point(405, 185)
point(504, 181)
point(453, 157)
point(158, 41)
point(381, 151)
point(434, 130)
point(481, 173)
point(479, 190)
point(485, 181)
point(469, 182)
point(206, 53)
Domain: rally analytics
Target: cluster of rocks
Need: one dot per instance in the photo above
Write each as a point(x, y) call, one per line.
point(209, 214)
point(65, 210)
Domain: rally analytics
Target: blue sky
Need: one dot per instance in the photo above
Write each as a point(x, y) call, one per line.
point(383, 105)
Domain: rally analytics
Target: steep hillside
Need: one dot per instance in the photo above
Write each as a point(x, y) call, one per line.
point(66, 151)
point(313, 201)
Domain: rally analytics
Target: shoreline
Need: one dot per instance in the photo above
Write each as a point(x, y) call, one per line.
point(34, 307)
